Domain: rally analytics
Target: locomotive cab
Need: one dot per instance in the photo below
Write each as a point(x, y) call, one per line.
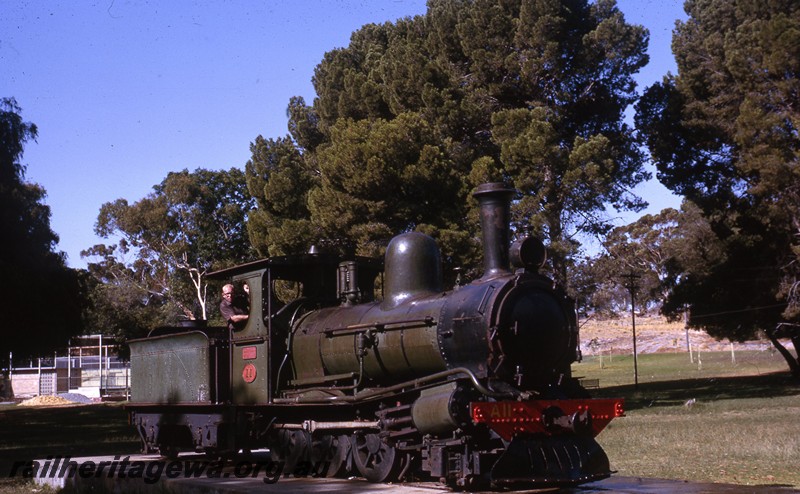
point(281, 289)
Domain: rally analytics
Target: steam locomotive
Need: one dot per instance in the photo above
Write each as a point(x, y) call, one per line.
point(470, 386)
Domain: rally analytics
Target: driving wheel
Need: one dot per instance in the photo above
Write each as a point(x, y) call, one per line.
point(332, 450)
point(375, 460)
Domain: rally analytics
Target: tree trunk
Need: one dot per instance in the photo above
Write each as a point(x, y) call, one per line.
point(794, 362)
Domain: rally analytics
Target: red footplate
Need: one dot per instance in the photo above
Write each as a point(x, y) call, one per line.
point(550, 417)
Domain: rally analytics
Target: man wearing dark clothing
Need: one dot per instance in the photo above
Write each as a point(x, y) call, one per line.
point(234, 316)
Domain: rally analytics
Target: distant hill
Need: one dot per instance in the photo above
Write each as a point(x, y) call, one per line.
point(653, 335)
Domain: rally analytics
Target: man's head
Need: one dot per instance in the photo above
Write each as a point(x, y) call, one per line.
point(227, 292)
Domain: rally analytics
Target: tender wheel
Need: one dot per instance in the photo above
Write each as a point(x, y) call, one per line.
point(374, 459)
point(291, 447)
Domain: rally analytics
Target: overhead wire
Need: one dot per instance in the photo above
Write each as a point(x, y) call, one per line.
point(751, 309)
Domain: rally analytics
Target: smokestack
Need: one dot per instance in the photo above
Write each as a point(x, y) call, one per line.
point(494, 199)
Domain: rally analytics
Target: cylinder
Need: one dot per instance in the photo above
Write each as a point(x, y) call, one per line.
point(434, 412)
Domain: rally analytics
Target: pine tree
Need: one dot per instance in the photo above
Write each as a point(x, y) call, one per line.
point(724, 132)
point(413, 115)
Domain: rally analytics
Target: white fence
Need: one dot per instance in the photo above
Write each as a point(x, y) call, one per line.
point(93, 371)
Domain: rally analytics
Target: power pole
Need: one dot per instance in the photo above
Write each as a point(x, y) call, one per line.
point(632, 285)
point(686, 327)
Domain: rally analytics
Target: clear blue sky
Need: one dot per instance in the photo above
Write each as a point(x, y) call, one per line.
point(123, 92)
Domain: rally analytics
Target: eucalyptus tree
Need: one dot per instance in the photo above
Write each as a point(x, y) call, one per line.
point(661, 250)
point(168, 241)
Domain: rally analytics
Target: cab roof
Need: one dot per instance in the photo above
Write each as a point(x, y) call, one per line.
point(295, 267)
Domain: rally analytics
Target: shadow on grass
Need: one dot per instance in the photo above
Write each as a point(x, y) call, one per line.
point(36, 433)
point(672, 393)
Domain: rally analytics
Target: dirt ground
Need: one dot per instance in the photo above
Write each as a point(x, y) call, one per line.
point(653, 335)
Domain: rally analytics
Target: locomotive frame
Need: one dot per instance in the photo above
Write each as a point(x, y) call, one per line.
point(470, 386)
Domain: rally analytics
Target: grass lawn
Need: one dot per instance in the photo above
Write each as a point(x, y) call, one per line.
point(33, 433)
point(742, 427)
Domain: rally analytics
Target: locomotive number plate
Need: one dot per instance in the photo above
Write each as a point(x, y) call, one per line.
point(249, 353)
point(249, 373)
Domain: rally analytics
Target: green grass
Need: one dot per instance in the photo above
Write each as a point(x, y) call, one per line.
point(742, 427)
point(618, 370)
